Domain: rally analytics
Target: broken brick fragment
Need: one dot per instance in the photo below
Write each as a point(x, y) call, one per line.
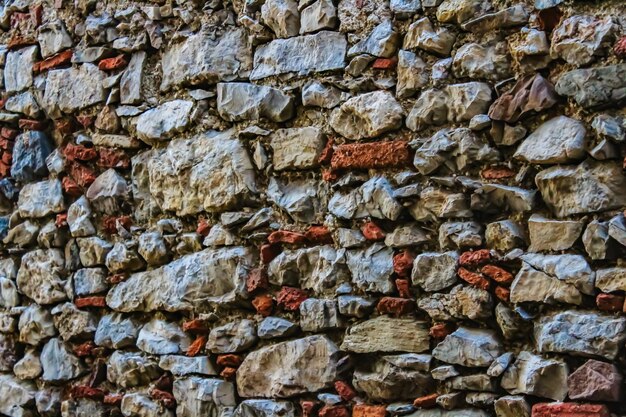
point(83, 175)
point(365, 410)
point(109, 223)
point(61, 220)
point(440, 330)
point(309, 408)
point(319, 234)
point(84, 349)
point(290, 298)
point(477, 257)
point(113, 399)
point(558, 409)
point(327, 153)
point(79, 153)
point(499, 275)
point(229, 359)
point(263, 304)
point(83, 391)
point(403, 263)
point(372, 232)
point(269, 252)
point(474, 279)
point(70, 187)
point(497, 173)
point(30, 124)
point(404, 288)
point(113, 158)
point(196, 346)
point(165, 398)
point(112, 64)
point(345, 391)
point(373, 155)
point(620, 47)
point(229, 373)
point(60, 59)
point(93, 301)
point(395, 306)
point(385, 63)
point(203, 228)
point(334, 411)
point(610, 302)
point(257, 280)
point(285, 236)
point(117, 278)
point(8, 133)
point(427, 401)
point(195, 326)
point(503, 294)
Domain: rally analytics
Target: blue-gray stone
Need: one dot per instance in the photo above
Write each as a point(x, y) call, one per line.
point(272, 327)
point(29, 156)
point(4, 227)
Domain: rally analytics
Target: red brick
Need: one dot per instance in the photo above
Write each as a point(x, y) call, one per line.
point(83, 175)
point(83, 391)
point(109, 223)
point(113, 399)
point(290, 298)
point(257, 280)
point(309, 408)
point(196, 346)
point(371, 155)
point(395, 306)
point(345, 391)
point(79, 153)
point(440, 330)
point(365, 410)
point(61, 220)
point(371, 231)
point(229, 359)
point(84, 349)
point(334, 411)
point(269, 252)
point(427, 401)
point(503, 294)
point(165, 398)
point(403, 263)
point(8, 133)
point(117, 278)
point(30, 124)
point(319, 235)
point(17, 42)
point(329, 176)
point(94, 301)
point(327, 152)
point(70, 187)
point(85, 120)
point(229, 373)
point(610, 302)
point(570, 410)
point(496, 173)
point(203, 228)
point(477, 257)
point(263, 304)
point(112, 64)
point(385, 63)
point(60, 59)
point(113, 158)
point(5, 170)
point(620, 47)
point(285, 236)
point(474, 279)
point(499, 275)
point(195, 326)
point(404, 288)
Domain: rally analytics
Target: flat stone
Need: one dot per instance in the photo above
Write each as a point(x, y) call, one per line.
point(302, 55)
point(276, 327)
point(579, 39)
point(107, 192)
point(595, 381)
point(469, 347)
point(537, 376)
point(516, 15)
point(371, 268)
point(18, 69)
point(387, 334)
point(424, 35)
point(459, 11)
point(17, 396)
point(233, 337)
point(405, 8)
point(435, 203)
point(275, 371)
point(322, 14)
point(495, 198)
point(117, 331)
point(512, 406)
point(557, 141)
point(367, 115)
point(318, 315)
point(315, 93)
point(462, 302)
point(297, 148)
point(434, 271)
point(41, 199)
point(185, 365)
point(611, 279)
point(164, 121)
point(203, 396)
point(552, 235)
point(210, 276)
point(477, 61)
point(382, 42)
point(592, 87)
point(374, 198)
point(243, 101)
point(24, 103)
point(40, 276)
point(203, 58)
point(159, 337)
point(355, 306)
point(53, 38)
point(585, 188)
point(474, 382)
point(580, 333)
point(131, 369)
point(265, 408)
point(405, 236)
point(61, 96)
point(282, 17)
point(58, 363)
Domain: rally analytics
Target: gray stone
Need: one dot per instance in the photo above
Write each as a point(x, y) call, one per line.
point(164, 121)
point(611, 279)
point(459, 11)
point(374, 198)
point(73, 323)
point(534, 375)
point(131, 369)
point(58, 363)
point(592, 87)
point(597, 240)
point(474, 60)
point(516, 15)
point(501, 364)
point(580, 333)
point(349, 238)
point(405, 236)
point(298, 197)
point(79, 407)
point(61, 96)
point(35, 325)
point(315, 93)
point(367, 115)
point(196, 396)
point(265, 408)
point(233, 337)
point(18, 69)
point(275, 327)
point(24, 103)
point(302, 55)
point(585, 188)
point(580, 38)
point(204, 58)
point(116, 331)
point(319, 315)
point(435, 203)
point(611, 127)
point(276, 371)
point(40, 276)
point(53, 38)
point(382, 42)
point(456, 412)
point(243, 101)
point(282, 16)
point(29, 156)
point(412, 74)
point(93, 251)
point(48, 401)
point(23, 234)
point(322, 14)
point(9, 296)
point(355, 306)
point(17, 396)
point(29, 367)
point(495, 198)
point(512, 406)
point(387, 334)
point(559, 140)
point(152, 248)
point(457, 235)
point(434, 271)
point(505, 235)
point(424, 35)
point(107, 192)
point(78, 218)
point(132, 79)
point(41, 199)
point(185, 365)
point(463, 302)
point(469, 347)
point(617, 229)
point(159, 337)
point(405, 8)
point(141, 405)
point(220, 236)
point(371, 268)
point(552, 235)
point(123, 258)
point(443, 372)
point(475, 382)
point(297, 148)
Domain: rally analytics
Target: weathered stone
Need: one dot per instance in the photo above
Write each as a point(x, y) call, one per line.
point(374, 198)
point(18, 69)
point(40, 276)
point(596, 240)
point(531, 93)
point(160, 337)
point(386, 334)
point(298, 197)
point(534, 375)
point(469, 347)
point(152, 248)
point(29, 367)
point(319, 315)
point(203, 58)
point(61, 96)
point(185, 365)
point(559, 140)
point(505, 235)
point(297, 148)
point(435, 203)
point(323, 51)
point(459, 11)
point(53, 38)
point(41, 199)
point(107, 192)
point(24, 103)
point(243, 101)
point(58, 363)
point(592, 87)
point(322, 14)
point(510, 323)
point(8, 352)
point(275, 327)
point(595, 381)
point(315, 93)
point(265, 408)
point(423, 35)
point(580, 333)
point(78, 218)
point(73, 323)
point(381, 42)
point(17, 396)
point(613, 128)
point(123, 258)
point(588, 187)
point(530, 49)
point(463, 302)
point(405, 8)
point(282, 16)
point(473, 60)
point(197, 396)
point(495, 198)
point(236, 336)
point(367, 115)
point(475, 382)
point(141, 405)
point(412, 74)
point(93, 251)
point(29, 156)
point(164, 121)
point(457, 235)
point(275, 370)
point(578, 39)
point(130, 369)
point(516, 15)
point(434, 271)
point(116, 331)
point(354, 306)
point(35, 325)
point(512, 406)
point(405, 236)
point(552, 235)
point(371, 268)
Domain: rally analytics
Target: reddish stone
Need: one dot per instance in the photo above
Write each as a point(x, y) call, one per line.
point(440, 330)
point(70, 187)
point(595, 381)
point(109, 223)
point(61, 220)
point(403, 263)
point(7, 158)
point(334, 411)
point(18, 18)
point(113, 399)
point(327, 152)
point(404, 288)
point(6, 145)
point(229, 373)
point(497, 173)
point(309, 408)
point(319, 234)
point(30, 124)
point(427, 401)
point(264, 304)
point(196, 346)
point(497, 274)
point(195, 326)
point(570, 410)
point(364, 410)
point(84, 349)
point(60, 59)
point(503, 294)
point(85, 120)
point(290, 298)
point(94, 301)
point(385, 63)
point(64, 126)
point(229, 359)
point(371, 231)
point(83, 175)
point(113, 158)
point(285, 236)
point(8, 133)
point(165, 382)
point(117, 278)
point(269, 252)
point(203, 228)
point(112, 64)
point(36, 13)
point(620, 47)
point(476, 257)
point(345, 391)
point(474, 279)
point(17, 42)
point(371, 155)
point(549, 18)
point(79, 153)
point(610, 302)
point(328, 175)
point(395, 306)
point(257, 280)
point(83, 391)
point(165, 398)
point(5, 169)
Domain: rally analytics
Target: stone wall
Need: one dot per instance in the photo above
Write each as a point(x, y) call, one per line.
point(333, 208)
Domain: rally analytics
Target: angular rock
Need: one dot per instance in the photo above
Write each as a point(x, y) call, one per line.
point(315, 93)
point(592, 87)
point(611, 279)
point(552, 235)
point(73, 323)
point(164, 121)
point(197, 396)
point(53, 38)
point(495, 198)
point(243, 101)
point(505, 235)
point(297, 148)
point(282, 16)
point(516, 15)
point(107, 192)
point(116, 331)
point(434, 271)
point(424, 35)
point(140, 405)
point(469, 347)
point(41, 199)
point(459, 11)
point(319, 315)
point(595, 381)
point(29, 367)
point(531, 93)
point(371, 268)
point(17, 396)
point(374, 198)
point(265, 408)
point(537, 376)
point(597, 240)
point(123, 258)
point(412, 74)
point(132, 78)
point(559, 140)
point(457, 235)
point(40, 276)
point(61, 96)
point(437, 203)
point(93, 251)
point(185, 365)
point(473, 60)
point(382, 42)
point(463, 302)
point(29, 156)
point(58, 363)
point(8, 352)
point(24, 103)
point(298, 197)
point(159, 337)
point(78, 218)
point(386, 334)
point(131, 369)
point(276, 327)
point(18, 69)
point(578, 39)
point(153, 249)
point(531, 50)
point(512, 406)
point(354, 306)
point(322, 14)
point(236, 336)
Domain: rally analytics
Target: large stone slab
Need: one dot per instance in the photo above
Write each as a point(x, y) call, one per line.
point(592, 87)
point(289, 368)
point(534, 375)
point(559, 140)
point(41, 199)
point(210, 276)
point(387, 334)
point(62, 94)
point(323, 51)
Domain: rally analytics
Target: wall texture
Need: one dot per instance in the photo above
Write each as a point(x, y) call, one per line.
point(323, 208)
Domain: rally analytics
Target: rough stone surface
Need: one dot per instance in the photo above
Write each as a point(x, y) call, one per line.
point(386, 334)
point(469, 347)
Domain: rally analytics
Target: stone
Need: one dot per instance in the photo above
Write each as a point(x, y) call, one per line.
point(107, 192)
point(212, 275)
point(9, 352)
point(132, 79)
point(512, 406)
point(302, 55)
point(371, 268)
point(209, 172)
point(374, 198)
point(405, 8)
point(557, 141)
point(611, 279)
point(595, 381)
point(552, 235)
point(282, 16)
point(140, 405)
point(459, 11)
point(463, 412)
point(40, 276)
point(597, 241)
point(434, 271)
point(463, 302)
point(35, 325)
point(617, 229)
point(588, 187)
point(24, 103)
point(123, 258)
point(591, 87)
point(469, 347)
point(203, 58)
point(531, 93)
point(29, 156)
point(423, 35)
point(501, 364)
point(58, 363)
point(367, 115)
point(475, 382)
point(276, 327)
point(457, 235)
point(580, 333)
point(185, 365)
point(203, 396)
point(61, 97)
point(233, 337)
point(394, 377)
point(164, 121)
point(73, 323)
point(412, 74)
point(494, 198)
point(243, 101)
point(578, 39)
point(297, 148)
point(534, 375)
point(380, 42)
point(152, 248)
point(159, 337)
point(387, 334)
point(29, 367)
point(17, 396)
point(53, 38)
point(613, 128)
point(265, 408)
point(9, 296)
point(505, 235)
point(115, 141)
point(93, 251)
point(319, 315)
point(510, 322)
point(490, 62)
point(530, 50)
point(274, 371)
point(322, 14)
point(315, 93)
point(130, 369)
point(18, 69)
point(78, 218)
point(516, 15)
point(435, 203)
point(116, 331)
point(298, 197)
point(40, 199)
point(355, 306)
point(405, 236)
point(23, 234)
